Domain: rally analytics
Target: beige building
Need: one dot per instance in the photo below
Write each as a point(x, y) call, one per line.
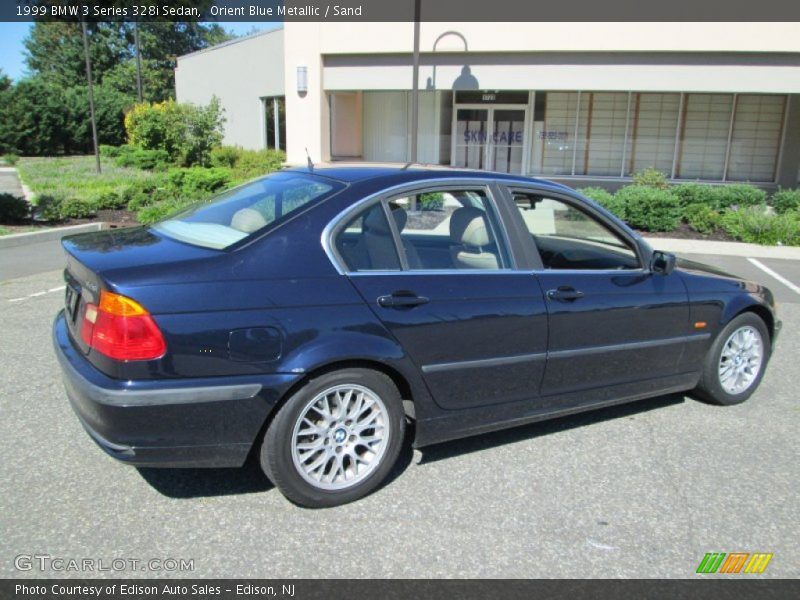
point(576, 102)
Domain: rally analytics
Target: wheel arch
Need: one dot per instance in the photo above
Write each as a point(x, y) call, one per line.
point(760, 310)
point(410, 393)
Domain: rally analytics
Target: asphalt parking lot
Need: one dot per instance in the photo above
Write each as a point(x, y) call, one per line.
point(643, 490)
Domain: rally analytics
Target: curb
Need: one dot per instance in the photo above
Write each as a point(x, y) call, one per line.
point(724, 248)
point(56, 233)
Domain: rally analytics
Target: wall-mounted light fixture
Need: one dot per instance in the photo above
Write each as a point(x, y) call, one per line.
point(302, 80)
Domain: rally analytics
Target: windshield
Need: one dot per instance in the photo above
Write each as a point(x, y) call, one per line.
point(242, 212)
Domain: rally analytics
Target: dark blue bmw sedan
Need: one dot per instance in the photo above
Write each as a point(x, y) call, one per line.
point(309, 315)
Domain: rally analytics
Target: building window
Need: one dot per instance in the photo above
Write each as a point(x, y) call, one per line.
point(651, 143)
point(275, 130)
point(704, 136)
point(385, 126)
point(557, 139)
point(756, 137)
point(601, 133)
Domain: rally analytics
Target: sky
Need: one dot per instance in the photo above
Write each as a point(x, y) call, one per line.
point(12, 59)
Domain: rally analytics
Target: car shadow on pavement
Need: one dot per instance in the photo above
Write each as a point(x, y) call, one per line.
point(249, 479)
point(198, 483)
point(524, 432)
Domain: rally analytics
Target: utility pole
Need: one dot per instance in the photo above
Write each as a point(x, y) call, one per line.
point(415, 88)
point(138, 61)
point(91, 93)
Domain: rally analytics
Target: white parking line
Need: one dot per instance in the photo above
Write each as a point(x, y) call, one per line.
point(36, 294)
point(775, 275)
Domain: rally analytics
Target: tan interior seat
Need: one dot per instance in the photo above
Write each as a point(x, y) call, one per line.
point(472, 243)
point(378, 238)
point(248, 220)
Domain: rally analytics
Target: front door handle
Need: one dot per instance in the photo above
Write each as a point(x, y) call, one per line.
point(402, 299)
point(564, 293)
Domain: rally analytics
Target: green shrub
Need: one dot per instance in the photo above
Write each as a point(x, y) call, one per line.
point(754, 224)
point(12, 208)
point(107, 200)
point(720, 197)
point(649, 208)
point(146, 192)
point(695, 193)
point(162, 210)
point(186, 132)
point(77, 208)
point(431, 201)
point(225, 156)
point(257, 163)
point(652, 178)
point(740, 195)
point(605, 199)
point(701, 217)
point(111, 151)
point(48, 206)
point(148, 160)
point(198, 182)
point(786, 200)
point(10, 159)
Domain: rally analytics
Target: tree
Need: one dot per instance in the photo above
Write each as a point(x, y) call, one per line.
point(161, 43)
point(47, 113)
point(34, 116)
point(54, 51)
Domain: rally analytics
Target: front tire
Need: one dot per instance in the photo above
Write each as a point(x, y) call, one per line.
point(335, 439)
point(736, 361)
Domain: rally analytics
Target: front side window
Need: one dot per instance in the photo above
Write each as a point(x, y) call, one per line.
point(568, 238)
point(242, 212)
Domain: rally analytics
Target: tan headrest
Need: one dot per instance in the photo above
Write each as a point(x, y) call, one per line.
point(468, 226)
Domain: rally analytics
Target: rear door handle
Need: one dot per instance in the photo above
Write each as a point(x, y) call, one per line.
point(402, 300)
point(564, 293)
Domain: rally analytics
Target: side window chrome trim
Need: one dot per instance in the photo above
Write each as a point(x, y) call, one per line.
point(452, 183)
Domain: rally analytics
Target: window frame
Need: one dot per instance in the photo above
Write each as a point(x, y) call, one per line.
point(634, 241)
point(507, 243)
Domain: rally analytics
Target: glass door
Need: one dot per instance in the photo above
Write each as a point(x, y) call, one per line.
point(472, 138)
point(508, 140)
point(489, 137)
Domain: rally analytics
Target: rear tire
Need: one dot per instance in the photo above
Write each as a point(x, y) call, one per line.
point(736, 361)
point(335, 439)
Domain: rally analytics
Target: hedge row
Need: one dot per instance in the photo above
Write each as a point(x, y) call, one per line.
point(160, 190)
point(743, 211)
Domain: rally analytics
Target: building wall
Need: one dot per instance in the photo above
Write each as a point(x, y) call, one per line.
point(701, 58)
point(239, 73)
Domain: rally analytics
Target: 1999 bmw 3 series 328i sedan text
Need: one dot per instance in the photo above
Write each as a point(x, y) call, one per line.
point(307, 315)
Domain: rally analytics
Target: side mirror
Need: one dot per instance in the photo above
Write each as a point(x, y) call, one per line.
point(662, 262)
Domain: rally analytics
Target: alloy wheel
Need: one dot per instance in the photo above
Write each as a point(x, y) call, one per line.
point(340, 437)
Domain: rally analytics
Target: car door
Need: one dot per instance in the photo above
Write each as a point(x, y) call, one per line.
point(434, 264)
point(611, 320)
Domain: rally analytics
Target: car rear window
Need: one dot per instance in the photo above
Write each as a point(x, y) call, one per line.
point(247, 210)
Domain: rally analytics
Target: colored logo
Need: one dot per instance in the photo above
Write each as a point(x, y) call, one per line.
point(734, 562)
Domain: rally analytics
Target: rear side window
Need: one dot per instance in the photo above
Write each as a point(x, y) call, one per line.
point(246, 210)
point(365, 243)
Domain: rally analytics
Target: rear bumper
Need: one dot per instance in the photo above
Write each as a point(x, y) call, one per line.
point(199, 422)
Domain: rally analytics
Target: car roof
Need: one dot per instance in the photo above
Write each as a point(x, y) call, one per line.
point(399, 174)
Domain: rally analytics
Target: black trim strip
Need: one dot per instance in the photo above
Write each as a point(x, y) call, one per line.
point(510, 360)
point(627, 346)
point(484, 362)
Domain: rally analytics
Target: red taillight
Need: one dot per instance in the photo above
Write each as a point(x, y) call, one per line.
point(121, 329)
